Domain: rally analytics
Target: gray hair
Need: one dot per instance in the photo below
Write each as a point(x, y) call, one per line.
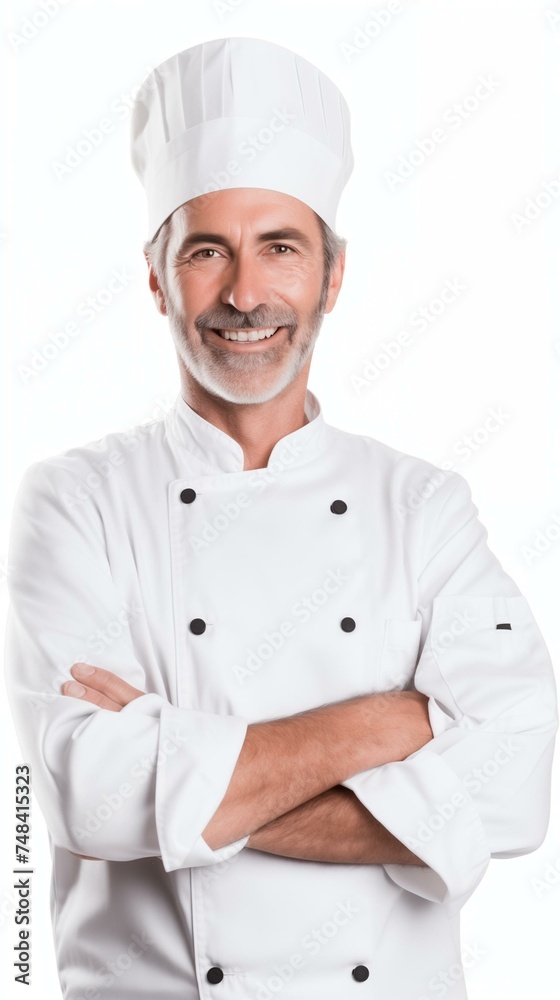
point(156, 250)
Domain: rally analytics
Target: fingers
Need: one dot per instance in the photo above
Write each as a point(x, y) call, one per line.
point(100, 687)
point(75, 690)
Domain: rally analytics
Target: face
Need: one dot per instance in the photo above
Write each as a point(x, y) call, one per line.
point(247, 261)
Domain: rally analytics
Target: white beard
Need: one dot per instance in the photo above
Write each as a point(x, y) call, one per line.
point(229, 374)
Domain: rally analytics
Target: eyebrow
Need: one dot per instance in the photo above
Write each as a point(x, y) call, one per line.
point(277, 235)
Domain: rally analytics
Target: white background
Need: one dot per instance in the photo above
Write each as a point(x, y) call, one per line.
point(457, 216)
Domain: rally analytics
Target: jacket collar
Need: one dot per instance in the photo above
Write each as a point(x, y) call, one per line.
point(218, 452)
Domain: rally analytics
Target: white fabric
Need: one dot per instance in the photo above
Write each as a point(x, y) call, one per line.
point(240, 112)
point(107, 564)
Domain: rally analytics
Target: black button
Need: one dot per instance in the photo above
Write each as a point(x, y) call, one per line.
point(215, 975)
point(348, 625)
point(361, 973)
point(338, 507)
point(198, 626)
point(504, 625)
point(187, 496)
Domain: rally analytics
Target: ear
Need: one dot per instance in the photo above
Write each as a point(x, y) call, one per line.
point(335, 282)
point(155, 288)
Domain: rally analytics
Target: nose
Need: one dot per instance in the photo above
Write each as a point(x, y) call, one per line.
point(244, 285)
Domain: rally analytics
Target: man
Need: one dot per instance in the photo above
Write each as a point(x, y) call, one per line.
point(286, 702)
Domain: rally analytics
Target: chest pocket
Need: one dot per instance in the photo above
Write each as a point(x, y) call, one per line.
point(399, 654)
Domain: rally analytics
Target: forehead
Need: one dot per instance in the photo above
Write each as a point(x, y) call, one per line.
point(244, 212)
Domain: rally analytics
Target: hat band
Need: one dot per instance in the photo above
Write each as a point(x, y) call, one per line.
point(245, 152)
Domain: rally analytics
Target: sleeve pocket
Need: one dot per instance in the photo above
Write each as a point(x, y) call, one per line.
point(399, 653)
point(491, 659)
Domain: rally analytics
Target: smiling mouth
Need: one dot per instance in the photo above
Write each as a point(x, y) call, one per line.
point(249, 336)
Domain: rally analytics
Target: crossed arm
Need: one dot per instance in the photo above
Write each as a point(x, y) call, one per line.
point(323, 820)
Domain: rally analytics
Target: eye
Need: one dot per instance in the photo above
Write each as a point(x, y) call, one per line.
point(206, 250)
point(283, 247)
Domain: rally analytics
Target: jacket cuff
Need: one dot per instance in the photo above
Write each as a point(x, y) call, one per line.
point(147, 704)
point(440, 721)
point(424, 804)
point(197, 754)
point(201, 854)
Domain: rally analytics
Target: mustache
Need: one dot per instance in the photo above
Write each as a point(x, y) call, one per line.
point(219, 319)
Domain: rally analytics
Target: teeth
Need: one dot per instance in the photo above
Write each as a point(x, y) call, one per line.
point(248, 335)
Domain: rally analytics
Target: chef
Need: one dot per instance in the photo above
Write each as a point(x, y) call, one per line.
point(280, 701)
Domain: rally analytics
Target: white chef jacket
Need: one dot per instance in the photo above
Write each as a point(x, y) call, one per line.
point(235, 596)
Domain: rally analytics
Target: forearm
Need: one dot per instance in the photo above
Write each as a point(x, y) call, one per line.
point(285, 762)
point(334, 826)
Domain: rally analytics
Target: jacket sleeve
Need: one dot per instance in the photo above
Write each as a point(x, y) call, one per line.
point(142, 782)
point(480, 788)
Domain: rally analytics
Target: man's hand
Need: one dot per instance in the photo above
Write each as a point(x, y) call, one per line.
point(100, 687)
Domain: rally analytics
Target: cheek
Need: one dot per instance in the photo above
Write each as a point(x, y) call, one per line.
point(300, 288)
point(193, 293)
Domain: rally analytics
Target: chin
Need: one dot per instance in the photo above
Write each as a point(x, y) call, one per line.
point(248, 394)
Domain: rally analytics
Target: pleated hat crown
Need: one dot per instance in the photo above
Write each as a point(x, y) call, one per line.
point(240, 112)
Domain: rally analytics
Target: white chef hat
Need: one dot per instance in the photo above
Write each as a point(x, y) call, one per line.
point(240, 112)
